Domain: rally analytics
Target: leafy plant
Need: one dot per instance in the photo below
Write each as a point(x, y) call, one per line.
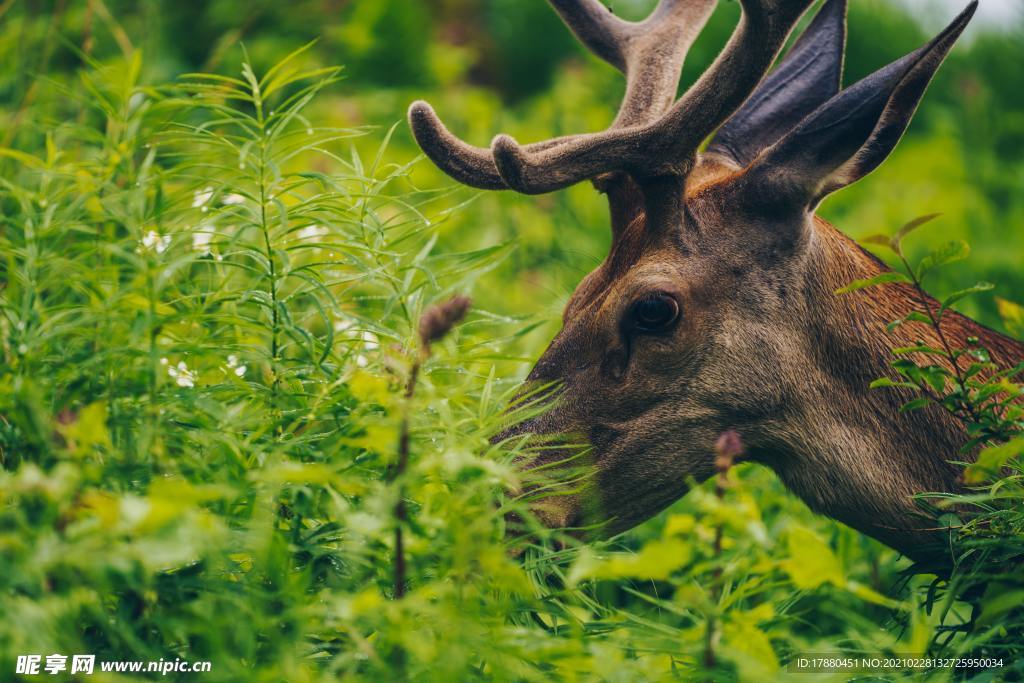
point(984, 524)
point(210, 318)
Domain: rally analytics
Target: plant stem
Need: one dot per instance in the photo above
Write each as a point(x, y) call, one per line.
point(272, 274)
point(936, 325)
point(268, 248)
point(401, 515)
point(723, 461)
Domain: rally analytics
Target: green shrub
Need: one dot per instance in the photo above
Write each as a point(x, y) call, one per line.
point(210, 316)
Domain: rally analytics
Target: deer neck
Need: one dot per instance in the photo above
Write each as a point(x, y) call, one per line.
point(847, 450)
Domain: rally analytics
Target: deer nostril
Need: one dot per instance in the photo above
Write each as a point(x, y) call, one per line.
point(544, 371)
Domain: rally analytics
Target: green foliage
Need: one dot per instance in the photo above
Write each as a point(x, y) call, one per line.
point(984, 524)
point(210, 314)
point(202, 345)
point(982, 394)
point(209, 298)
point(881, 278)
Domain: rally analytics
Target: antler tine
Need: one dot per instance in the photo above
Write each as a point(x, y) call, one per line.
point(596, 27)
point(668, 145)
point(737, 70)
point(466, 163)
point(473, 166)
point(655, 53)
point(650, 53)
point(592, 23)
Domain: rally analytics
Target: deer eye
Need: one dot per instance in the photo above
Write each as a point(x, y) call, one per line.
point(654, 313)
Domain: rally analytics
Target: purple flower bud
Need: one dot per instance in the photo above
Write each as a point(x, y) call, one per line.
point(439, 319)
point(728, 447)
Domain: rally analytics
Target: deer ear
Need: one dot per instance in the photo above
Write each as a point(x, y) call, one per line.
point(850, 135)
point(808, 76)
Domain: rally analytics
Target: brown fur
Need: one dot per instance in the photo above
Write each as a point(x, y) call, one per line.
point(766, 347)
point(891, 455)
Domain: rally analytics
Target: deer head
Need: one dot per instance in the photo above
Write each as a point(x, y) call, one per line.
point(712, 309)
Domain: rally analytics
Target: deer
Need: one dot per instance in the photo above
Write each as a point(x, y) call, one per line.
point(716, 308)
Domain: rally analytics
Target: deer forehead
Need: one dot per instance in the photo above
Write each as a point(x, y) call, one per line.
point(633, 269)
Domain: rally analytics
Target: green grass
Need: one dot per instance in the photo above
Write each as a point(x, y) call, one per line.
point(208, 317)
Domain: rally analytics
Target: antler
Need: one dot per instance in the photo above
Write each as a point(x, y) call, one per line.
point(650, 53)
point(642, 141)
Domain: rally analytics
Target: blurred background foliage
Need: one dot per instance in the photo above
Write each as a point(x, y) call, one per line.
point(247, 521)
point(510, 65)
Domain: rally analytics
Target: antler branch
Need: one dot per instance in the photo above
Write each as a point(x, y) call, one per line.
point(470, 165)
point(467, 164)
point(669, 145)
point(746, 58)
point(650, 53)
point(602, 32)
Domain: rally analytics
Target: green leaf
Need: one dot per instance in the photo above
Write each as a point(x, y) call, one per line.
point(956, 296)
point(950, 252)
point(22, 157)
point(910, 227)
point(936, 376)
point(1003, 386)
point(757, 659)
point(87, 429)
point(657, 559)
point(980, 354)
point(811, 561)
point(370, 388)
point(912, 317)
point(919, 348)
point(908, 369)
point(880, 240)
point(870, 595)
point(992, 459)
point(918, 317)
point(916, 404)
point(1012, 315)
point(997, 604)
point(882, 382)
point(881, 278)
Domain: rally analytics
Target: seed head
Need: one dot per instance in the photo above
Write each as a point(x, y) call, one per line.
point(439, 319)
